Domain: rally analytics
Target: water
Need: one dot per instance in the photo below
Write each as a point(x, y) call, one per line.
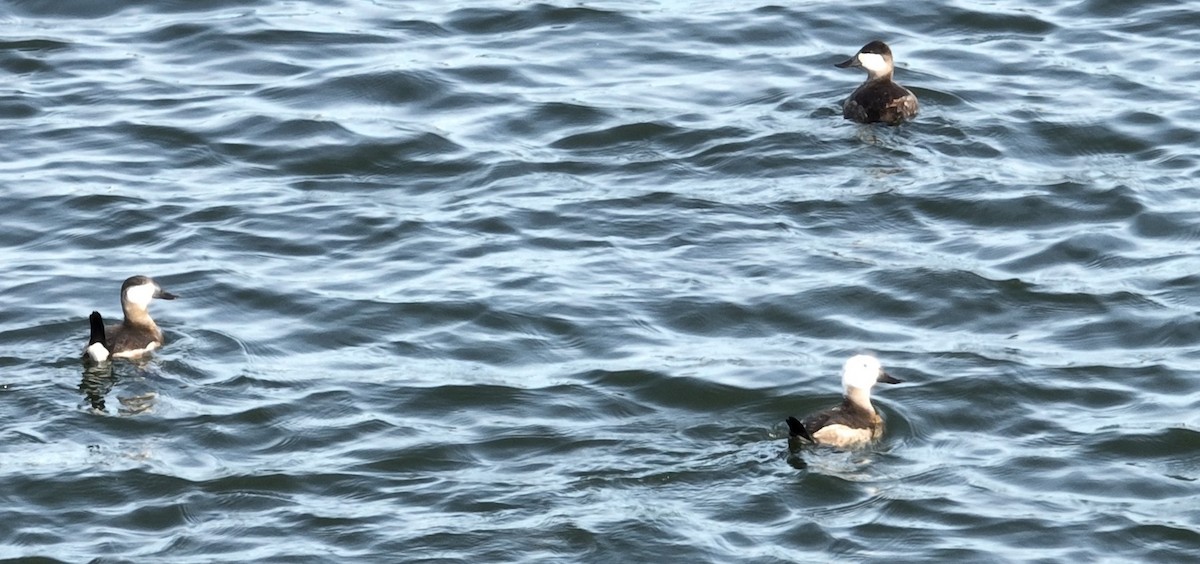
point(539, 282)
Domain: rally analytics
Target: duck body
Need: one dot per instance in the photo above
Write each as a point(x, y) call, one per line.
point(880, 102)
point(845, 426)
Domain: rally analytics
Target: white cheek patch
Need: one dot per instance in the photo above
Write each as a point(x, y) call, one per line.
point(874, 63)
point(858, 379)
point(860, 372)
point(141, 295)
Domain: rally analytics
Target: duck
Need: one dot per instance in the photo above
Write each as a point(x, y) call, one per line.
point(137, 334)
point(878, 99)
point(853, 423)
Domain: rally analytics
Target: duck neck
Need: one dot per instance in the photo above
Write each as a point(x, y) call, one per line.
point(885, 74)
point(135, 315)
point(860, 397)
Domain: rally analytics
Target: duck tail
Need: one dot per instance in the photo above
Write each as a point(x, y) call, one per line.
point(796, 429)
point(97, 347)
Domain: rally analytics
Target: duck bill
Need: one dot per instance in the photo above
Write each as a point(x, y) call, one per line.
point(887, 379)
point(851, 62)
point(164, 295)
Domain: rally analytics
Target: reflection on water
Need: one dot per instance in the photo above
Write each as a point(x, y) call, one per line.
point(98, 382)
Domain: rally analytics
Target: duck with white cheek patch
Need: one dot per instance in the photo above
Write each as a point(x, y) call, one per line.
point(852, 424)
point(137, 334)
point(878, 99)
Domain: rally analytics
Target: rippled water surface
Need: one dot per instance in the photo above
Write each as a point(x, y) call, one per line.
point(539, 282)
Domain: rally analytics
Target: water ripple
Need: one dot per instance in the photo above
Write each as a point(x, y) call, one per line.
point(541, 282)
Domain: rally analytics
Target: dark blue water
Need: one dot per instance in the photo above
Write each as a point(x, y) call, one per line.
point(539, 282)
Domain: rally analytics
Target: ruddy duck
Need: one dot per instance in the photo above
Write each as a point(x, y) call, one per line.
point(878, 99)
point(854, 422)
point(137, 334)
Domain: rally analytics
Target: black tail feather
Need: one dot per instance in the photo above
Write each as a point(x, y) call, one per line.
point(796, 429)
point(98, 335)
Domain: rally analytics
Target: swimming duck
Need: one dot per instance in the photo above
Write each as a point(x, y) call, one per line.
point(854, 422)
point(878, 99)
point(137, 334)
